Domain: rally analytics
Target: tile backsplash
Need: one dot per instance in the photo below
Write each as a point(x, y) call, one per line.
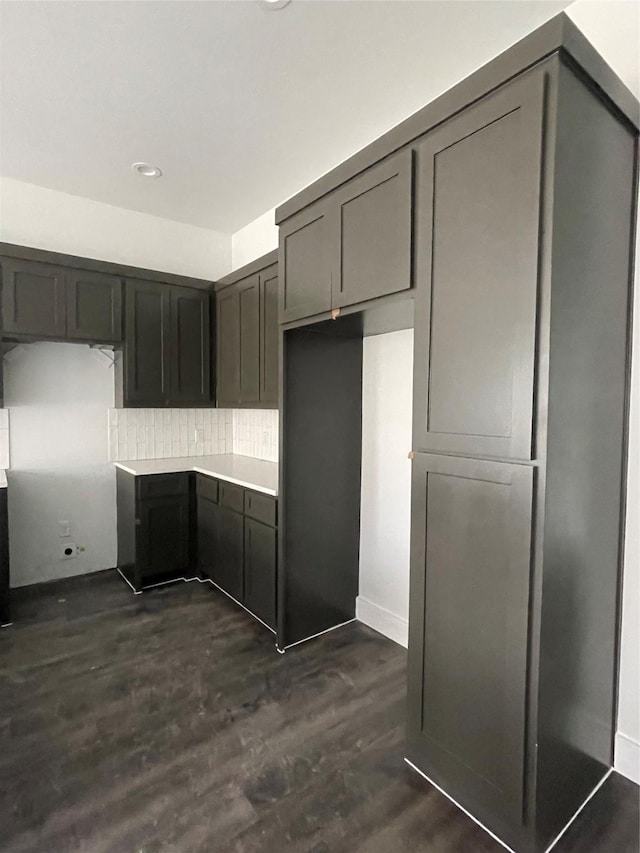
point(255, 433)
point(163, 433)
point(4, 438)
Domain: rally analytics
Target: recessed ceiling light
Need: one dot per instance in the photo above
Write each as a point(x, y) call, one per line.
point(147, 170)
point(275, 4)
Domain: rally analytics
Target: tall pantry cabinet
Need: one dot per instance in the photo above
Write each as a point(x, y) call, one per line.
point(522, 195)
point(523, 226)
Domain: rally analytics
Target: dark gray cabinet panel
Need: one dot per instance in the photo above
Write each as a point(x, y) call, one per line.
point(470, 577)
point(249, 308)
point(477, 232)
point(260, 570)
point(164, 538)
point(375, 213)
point(190, 340)
point(269, 333)
point(94, 307)
point(5, 609)
point(227, 568)
point(207, 534)
point(147, 362)
point(33, 299)
point(228, 346)
point(307, 262)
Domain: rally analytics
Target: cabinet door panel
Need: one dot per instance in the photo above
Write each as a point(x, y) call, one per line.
point(308, 248)
point(260, 570)
point(228, 346)
point(33, 299)
point(207, 532)
point(146, 353)
point(227, 569)
point(375, 233)
point(477, 230)
point(190, 356)
point(249, 306)
point(94, 307)
point(269, 337)
point(164, 538)
point(470, 579)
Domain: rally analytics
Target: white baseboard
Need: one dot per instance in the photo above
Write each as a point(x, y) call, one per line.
point(394, 627)
point(627, 757)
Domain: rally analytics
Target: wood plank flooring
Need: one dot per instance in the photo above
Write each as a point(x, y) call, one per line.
point(167, 723)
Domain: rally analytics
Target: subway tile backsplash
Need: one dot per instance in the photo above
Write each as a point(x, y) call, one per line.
point(163, 433)
point(255, 433)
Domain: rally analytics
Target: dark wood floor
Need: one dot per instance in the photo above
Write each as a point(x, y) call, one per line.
point(167, 723)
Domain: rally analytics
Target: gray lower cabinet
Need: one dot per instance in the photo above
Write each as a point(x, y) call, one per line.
point(166, 356)
point(5, 606)
point(237, 544)
point(153, 514)
point(247, 338)
point(44, 301)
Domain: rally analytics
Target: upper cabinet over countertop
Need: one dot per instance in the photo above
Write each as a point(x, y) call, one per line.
point(247, 335)
point(353, 246)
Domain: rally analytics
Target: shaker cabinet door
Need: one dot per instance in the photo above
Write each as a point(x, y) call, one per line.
point(147, 362)
point(227, 568)
point(469, 621)
point(477, 232)
point(260, 570)
point(94, 307)
point(164, 538)
point(228, 346)
point(249, 307)
point(33, 299)
point(307, 259)
point(190, 356)
point(374, 233)
point(269, 337)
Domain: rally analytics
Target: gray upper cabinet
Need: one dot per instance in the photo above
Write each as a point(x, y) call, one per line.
point(247, 336)
point(249, 355)
point(374, 251)
point(307, 262)
point(269, 332)
point(94, 306)
point(470, 577)
point(477, 232)
point(191, 362)
point(228, 346)
point(147, 354)
point(33, 299)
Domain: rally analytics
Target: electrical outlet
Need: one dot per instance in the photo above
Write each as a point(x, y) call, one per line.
point(68, 551)
point(64, 529)
point(198, 434)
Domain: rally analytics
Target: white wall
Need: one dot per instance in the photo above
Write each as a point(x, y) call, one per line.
point(254, 240)
point(613, 28)
point(58, 396)
point(47, 219)
point(387, 391)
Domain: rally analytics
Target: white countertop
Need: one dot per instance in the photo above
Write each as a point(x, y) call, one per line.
point(244, 470)
point(3, 479)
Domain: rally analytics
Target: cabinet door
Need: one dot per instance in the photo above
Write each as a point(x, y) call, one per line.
point(207, 526)
point(146, 353)
point(163, 538)
point(375, 233)
point(190, 342)
point(5, 610)
point(477, 230)
point(33, 299)
point(227, 568)
point(260, 570)
point(269, 337)
point(249, 305)
point(308, 251)
point(228, 346)
point(94, 307)
point(468, 628)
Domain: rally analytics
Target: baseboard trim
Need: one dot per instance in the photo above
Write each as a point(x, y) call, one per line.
point(383, 621)
point(627, 757)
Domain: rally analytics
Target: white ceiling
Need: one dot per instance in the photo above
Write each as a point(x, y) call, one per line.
point(240, 106)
